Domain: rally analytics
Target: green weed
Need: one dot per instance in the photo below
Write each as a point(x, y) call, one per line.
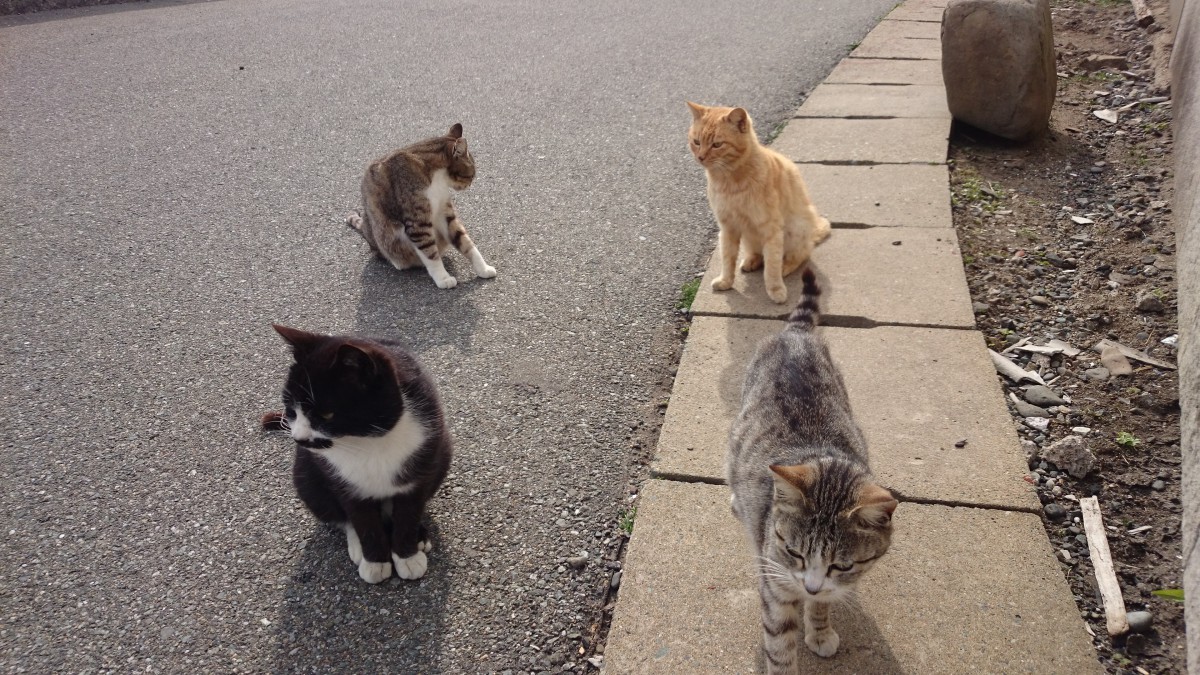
point(687, 295)
point(1127, 440)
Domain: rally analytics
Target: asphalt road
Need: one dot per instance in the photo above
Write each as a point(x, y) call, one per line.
point(174, 179)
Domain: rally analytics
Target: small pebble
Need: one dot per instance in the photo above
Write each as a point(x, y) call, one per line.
point(1140, 621)
point(1054, 512)
point(961, 443)
point(1158, 485)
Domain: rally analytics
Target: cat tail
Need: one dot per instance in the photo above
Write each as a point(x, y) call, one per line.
point(808, 313)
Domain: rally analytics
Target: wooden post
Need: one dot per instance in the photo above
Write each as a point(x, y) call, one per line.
point(1142, 13)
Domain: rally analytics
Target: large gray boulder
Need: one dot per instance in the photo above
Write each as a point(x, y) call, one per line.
point(998, 65)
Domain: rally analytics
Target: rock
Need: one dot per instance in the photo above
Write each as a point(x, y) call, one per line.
point(1115, 361)
point(1054, 512)
point(616, 580)
point(1135, 644)
point(1082, 431)
point(1096, 374)
point(1072, 455)
point(578, 562)
point(1036, 423)
point(998, 65)
point(1064, 555)
point(960, 443)
point(1094, 62)
point(1148, 302)
point(1139, 621)
point(1123, 279)
point(980, 307)
point(1031, 452)
point(1040, 300)
point(1043, 396)
point(1029, 410)
point(1158, 486)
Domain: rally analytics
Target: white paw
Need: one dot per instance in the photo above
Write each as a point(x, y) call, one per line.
point(354, 220)
point(425, 546)
point(722, 284)
point(373, 573)
point(353, 545)
point(412, 567)
point(446, 282)
point(486, 272)
point(824, 644)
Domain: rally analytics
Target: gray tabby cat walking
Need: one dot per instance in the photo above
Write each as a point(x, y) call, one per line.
point(802, 487)
point(407, 215)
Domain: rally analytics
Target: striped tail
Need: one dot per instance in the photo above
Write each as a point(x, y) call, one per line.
point(808, 313)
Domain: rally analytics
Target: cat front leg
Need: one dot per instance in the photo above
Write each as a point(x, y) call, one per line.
point(424, 243)
point(409, 539)
point(366, 540)
point(819, 635)
point(462, 242)
point(781, 632)
point(729, 241)
point(773, 265)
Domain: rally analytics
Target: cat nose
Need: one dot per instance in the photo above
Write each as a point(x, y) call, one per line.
point(813, 586)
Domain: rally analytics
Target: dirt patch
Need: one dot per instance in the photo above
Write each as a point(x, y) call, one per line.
point(1070, 238)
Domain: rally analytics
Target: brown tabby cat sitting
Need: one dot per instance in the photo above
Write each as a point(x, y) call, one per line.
point(758, 198)
point(407, 215)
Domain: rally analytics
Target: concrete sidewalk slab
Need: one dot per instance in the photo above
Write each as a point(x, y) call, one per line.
point(884, 46)
point(922, 14)
point(893, 141)
point(887, 195)
point(893, 29)
point(961, 590)
point(868, 100)
point(915, 392)
point(886, 71)
point(884, 275)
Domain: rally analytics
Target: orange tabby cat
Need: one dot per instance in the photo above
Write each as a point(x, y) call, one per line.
point(758, 198)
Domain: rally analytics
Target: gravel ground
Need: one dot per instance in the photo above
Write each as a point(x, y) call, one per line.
point(1070, 239)
point(174, 176)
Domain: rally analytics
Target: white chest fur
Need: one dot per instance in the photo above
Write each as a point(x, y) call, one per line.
point(438, 194)
point(369, 464)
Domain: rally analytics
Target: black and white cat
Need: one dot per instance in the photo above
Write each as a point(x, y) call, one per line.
point(371, 445)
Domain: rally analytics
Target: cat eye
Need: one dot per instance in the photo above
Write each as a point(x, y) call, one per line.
point(718, 144)
point(695, 141)
point(326, 416)
point(798, 556)
point(842, 568)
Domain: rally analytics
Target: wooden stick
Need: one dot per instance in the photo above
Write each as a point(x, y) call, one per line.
point(1106, 576)
point(1142, 13)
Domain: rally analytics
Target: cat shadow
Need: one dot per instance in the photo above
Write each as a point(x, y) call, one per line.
point(863, 648)
point(406, 306)
point(334, 621)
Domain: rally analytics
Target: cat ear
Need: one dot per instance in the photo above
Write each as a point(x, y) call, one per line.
point(355, 360)
point(875, 506)
point(301, 341)
point(455, 131)
point(795, 480)
point(739, 118)
point(460, 148)
point(697, 110)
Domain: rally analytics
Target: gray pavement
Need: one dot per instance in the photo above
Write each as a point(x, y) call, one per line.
point(173, 179)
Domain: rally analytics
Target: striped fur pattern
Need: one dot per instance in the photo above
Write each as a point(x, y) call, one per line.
point(758, 197)
point(802, 488)
point(407, 215)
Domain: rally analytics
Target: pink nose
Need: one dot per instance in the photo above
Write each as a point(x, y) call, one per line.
point(813, 586)
point(700, 157)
